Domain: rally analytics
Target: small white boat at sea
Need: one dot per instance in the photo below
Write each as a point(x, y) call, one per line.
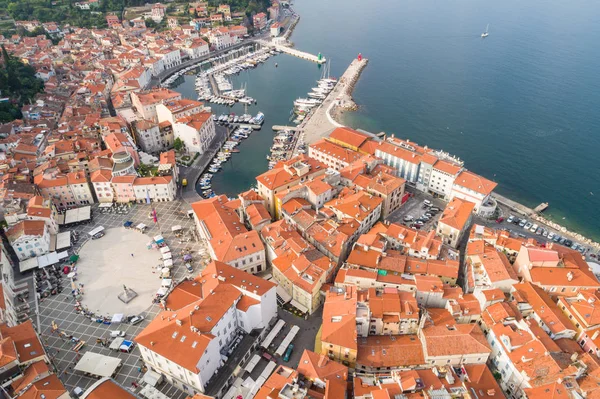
point(486, 33)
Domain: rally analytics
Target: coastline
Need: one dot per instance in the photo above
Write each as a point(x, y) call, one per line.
point(345, 103)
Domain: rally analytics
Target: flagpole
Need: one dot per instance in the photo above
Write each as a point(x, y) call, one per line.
point(154, 215)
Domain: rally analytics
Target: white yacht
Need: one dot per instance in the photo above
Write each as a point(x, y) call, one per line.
point(486, 33)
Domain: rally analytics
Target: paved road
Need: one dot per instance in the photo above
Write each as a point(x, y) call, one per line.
point(192, 173)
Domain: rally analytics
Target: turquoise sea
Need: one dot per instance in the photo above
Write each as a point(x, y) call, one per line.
point(521, 107)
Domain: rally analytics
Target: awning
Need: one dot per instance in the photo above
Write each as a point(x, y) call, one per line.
point(63, 240)
point(167, 255)
point(117, 318)
point(168, 263)
point(105, 205)
point(148, 391)
point(299, 306)
point(152, 378)
point(165, 250)
point(98, 365)
point(282, 293)
point(166, 282)
point(140, 226)
point(52, 258)
point(78, 215)
point(176, 228)
point(28, 264)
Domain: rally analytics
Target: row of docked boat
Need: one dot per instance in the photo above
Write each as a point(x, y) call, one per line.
point(171, 79)
point(254, 121)
point(257, 58)
point(302, 106)
point(283, 145)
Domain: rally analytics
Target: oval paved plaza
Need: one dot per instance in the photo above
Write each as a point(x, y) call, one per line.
point(106, 264)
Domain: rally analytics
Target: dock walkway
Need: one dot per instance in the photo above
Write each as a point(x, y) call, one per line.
point(278, 128)
point(292, 51)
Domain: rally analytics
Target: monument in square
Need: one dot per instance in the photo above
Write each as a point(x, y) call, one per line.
point(127, 295)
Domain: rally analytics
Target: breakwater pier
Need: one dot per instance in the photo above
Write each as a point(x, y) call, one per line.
point(320, 122)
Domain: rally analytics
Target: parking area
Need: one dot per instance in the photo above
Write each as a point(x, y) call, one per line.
point(60, 309)
point(305, 338)
point(414, 214)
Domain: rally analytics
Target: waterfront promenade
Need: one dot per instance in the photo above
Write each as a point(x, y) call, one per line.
point(320, 122)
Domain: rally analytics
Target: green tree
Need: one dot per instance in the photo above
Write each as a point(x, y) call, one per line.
point(18, 83)
point(178, 144)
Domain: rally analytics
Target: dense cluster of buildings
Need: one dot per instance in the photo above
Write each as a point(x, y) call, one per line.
point(459, 310)
point(402, 313)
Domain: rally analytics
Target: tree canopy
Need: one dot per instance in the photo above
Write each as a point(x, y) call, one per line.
point(18, 83)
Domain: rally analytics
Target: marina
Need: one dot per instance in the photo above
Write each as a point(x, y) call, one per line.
point(240, 128)
point(213, 84)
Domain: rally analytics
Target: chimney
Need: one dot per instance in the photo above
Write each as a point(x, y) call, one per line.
point(322, 361)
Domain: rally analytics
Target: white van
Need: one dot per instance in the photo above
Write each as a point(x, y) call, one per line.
point(97, 232)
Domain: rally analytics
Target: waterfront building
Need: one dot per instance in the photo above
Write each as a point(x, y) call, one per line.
point(195, 48)
point(176, 109)
point(276, 29)
point(202, 317)
point(476, 189)
point(145, 102)
point(333, 155)
point(441, 180)
point(285, 175)
point(455, 221)
point(273, 12)
point(196, 131)
point(405, 162)
point(259, 21)
point(219, 222)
